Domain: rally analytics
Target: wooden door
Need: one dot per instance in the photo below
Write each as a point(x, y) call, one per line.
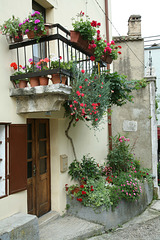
point(38, 167)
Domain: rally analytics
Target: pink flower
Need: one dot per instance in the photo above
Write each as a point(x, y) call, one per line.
point(36, 21)
point(75, 101)
point(99, 95)
point(78, 93)
point(71, 106)
point(80, 87)
point(96, 119)
point(112, 42)
point(81, 104)
point(82, 94)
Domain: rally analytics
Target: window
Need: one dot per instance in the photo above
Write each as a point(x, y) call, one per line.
point(39, 50)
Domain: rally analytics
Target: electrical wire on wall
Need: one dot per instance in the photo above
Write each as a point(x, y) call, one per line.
point(119, 34)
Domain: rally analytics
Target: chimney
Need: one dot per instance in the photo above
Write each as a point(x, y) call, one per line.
point(134, 25)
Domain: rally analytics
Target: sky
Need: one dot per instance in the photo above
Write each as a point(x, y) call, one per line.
point(149, 11)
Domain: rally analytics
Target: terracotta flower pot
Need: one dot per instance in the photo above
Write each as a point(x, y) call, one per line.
point(107, 58)
point(56, 78)
point(31, 34)
point(34, 81)
point(43, 80)
point(22, 83)
point(77, 38)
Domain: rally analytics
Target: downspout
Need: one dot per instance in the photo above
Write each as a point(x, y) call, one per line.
point(108, 67)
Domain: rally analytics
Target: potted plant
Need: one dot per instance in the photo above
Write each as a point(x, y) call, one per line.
point(12, 29)
point(22, 83)
point(56, 63)
point(102, 50)
point(84, 30)
point(42, 65)
point(32, 67)
point(34, 26)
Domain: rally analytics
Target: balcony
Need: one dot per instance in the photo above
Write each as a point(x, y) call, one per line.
point(49, 97)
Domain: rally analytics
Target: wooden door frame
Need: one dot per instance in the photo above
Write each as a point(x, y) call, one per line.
point(35, 157)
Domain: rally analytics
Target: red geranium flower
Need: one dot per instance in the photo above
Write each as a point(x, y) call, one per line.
point(82, 186)
point(119, 52)
point(94, 23)
point(83, 71)
point(92, 58)
point(83, 192)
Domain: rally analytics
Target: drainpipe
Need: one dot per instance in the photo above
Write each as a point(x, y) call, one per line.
point(108, 67)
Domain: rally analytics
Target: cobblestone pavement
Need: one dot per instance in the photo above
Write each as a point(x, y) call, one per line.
point(146, 231)
point(143, 227)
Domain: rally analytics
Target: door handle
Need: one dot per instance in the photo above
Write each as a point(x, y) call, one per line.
point(34, 170)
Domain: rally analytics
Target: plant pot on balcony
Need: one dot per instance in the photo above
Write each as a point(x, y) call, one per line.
point(43, 80)
point(31, 34)
point(77, 38)
point(56, 78)
point(22, 83)
point(107, 58)
point(34, 81)
point(19, 37)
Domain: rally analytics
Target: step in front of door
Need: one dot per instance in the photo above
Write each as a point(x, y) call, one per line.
point(50, 216)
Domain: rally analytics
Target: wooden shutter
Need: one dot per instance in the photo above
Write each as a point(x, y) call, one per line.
point(17, 158)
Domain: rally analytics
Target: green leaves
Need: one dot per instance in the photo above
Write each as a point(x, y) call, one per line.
point(86, 169)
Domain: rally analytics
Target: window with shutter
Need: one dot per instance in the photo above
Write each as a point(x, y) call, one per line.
point(17, 158)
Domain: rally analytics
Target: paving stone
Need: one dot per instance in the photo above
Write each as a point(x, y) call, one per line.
point(69, 228)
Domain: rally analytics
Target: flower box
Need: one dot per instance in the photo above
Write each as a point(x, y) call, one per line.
point(112, 218)
point(77, 38)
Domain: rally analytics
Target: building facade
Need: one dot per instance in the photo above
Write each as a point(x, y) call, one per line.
point(35, 153)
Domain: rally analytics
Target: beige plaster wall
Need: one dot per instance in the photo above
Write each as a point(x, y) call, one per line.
point(12, 204)
point(85, 141)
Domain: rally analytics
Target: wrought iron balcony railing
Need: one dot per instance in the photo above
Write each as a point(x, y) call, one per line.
point(58, 44)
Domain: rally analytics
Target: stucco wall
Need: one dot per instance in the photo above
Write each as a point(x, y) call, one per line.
point(85, 140)
point(131, 61)
point(139, 112)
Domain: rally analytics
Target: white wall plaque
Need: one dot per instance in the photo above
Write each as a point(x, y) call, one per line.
point(129, 126)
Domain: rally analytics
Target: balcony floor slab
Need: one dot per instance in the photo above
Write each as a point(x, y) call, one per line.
point(40, 98)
